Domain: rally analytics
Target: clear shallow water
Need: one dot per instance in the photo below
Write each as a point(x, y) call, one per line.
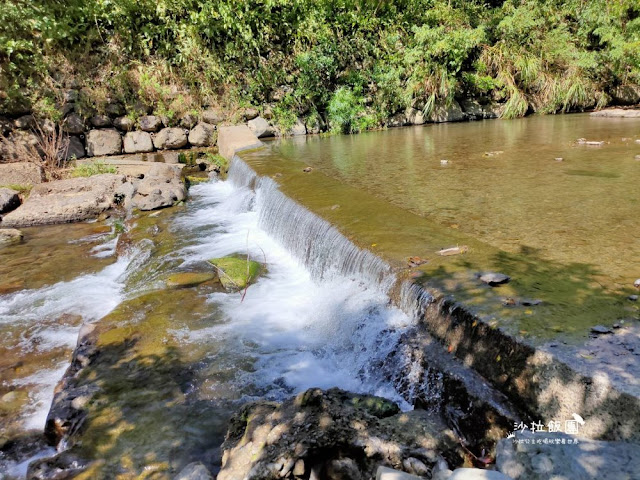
point(584, 209)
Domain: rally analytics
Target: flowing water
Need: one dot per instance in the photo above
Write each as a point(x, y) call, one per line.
point(319, 317)
point(177, 362)
point(528, 199)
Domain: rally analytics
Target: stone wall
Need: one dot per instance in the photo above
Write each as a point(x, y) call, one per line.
point(136, 130)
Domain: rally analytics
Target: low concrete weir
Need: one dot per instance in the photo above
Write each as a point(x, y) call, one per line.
point(544, 385)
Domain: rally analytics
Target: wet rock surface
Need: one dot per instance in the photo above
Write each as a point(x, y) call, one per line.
point(9, 236)
point(332, 434)
point(560, 458)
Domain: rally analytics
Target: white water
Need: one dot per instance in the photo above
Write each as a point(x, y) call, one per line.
point(37, 314)
point(320, 317)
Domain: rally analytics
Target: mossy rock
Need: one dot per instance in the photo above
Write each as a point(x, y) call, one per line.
point(192, 179)
point(188, 279)
point(236, 273)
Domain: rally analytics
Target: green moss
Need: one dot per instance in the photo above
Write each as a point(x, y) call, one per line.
point(90, 169)
point(237, 273)
point(188, 279)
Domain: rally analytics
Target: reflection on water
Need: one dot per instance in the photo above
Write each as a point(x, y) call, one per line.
point(503, 183)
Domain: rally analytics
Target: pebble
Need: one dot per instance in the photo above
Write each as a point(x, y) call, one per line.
point(307, 170)
point(637, 283)
point(633, 298)
point(492, 278)
point(444, 162)
point(559, 159)
point(601, 329)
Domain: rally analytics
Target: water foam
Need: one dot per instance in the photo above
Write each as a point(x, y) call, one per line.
point(320, 317)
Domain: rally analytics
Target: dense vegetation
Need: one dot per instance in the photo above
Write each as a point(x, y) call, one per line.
point(355, 61)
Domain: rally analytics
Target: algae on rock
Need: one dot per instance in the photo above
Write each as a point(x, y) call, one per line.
point(237, 273)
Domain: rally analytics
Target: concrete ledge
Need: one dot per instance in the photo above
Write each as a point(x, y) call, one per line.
point(232, 140)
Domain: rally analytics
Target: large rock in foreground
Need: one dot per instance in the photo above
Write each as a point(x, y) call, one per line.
point(161, 187)
point(66, 201)
point(21, 173)
point(333, 434)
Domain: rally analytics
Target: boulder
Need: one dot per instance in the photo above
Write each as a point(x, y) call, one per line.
point(332, 434)
point(140, 108)
point(64, 201)
point(170, 139)
point(194, 471)
point(213, 116)
point(626, 95)
point(100, 121)
point(115, 109)
point(415, 116)
point(234, 139)
point(124, 124)
point(472, 109)
point(161, 187)
point(104, 142)
point(76, 148)
point(203, 135)
point(188, 120)
point(24, 122)
point(250, 113)
point(617, 113)
point(21, 173)
point(73, 124)
point(566, 456)
point(10, 236)
point(298, 128)
point(261, 128)
point(138, 142)
point(446, 112)
point(314, 125)
point(150, 123)
point(398, 120)
point(9, 200)
point(237, 273)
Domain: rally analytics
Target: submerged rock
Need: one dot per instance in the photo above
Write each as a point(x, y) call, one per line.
point(601, 330)
point(188, 279)
point(492, 279)
point(237, 273)
point(9, 236)
point(332, 434)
